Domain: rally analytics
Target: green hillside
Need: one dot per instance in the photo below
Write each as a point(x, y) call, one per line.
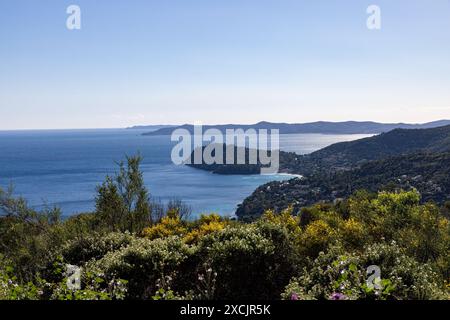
point(347, 155)
point(427, 172)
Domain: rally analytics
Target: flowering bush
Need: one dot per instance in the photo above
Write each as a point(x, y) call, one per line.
point(352, 233)
point(411, 279)
point(285, 219)
point(169, 226)
point(337, 275)
point(207, 224)
point(251, 261)
point(11, 289)
point(94, 288)
point(316, 238)
point(84, 249)
point(143, 262)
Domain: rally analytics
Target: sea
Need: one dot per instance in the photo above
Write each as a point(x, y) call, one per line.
point(62, 168)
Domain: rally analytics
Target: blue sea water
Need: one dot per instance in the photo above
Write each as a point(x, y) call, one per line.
point(63, 167)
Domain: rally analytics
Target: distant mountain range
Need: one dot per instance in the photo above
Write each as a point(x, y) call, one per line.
point(151, 127)
point(323, 127)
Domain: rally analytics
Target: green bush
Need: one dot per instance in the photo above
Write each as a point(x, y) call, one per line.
point(411, 279)
point(337, 273)
point(251, 261)
point(95, 246)
point(94, 287)
point(10, 288)
point(144, 263)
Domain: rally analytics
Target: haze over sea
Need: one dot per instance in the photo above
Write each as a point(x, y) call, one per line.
point(63, 167)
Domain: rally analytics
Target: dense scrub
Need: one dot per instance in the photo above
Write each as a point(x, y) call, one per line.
point(321, 253)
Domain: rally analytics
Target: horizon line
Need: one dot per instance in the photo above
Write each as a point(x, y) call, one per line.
point(135, 127)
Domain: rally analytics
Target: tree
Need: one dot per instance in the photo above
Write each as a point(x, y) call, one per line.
point(110, 205)
point(446, 209)
point(183, 210)
point(123, 200)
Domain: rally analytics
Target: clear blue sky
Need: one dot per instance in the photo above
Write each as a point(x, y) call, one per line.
point(219, 61)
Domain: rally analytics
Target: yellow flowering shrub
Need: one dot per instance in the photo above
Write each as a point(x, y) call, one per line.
point(352, 233)
point(208, 218)
point(316, 238)
point(169, 226)
point(285, 218)
point(206, 224)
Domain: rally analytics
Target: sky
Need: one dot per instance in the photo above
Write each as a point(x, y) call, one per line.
point(222, 61)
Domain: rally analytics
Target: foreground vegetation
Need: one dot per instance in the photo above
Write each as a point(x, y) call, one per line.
point(132, 248)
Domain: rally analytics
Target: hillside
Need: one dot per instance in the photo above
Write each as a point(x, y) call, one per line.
point(348, 155)
point(324, 127)
point(150, 127)
point(402, 158)
point(247, 169)
point(417, 158)
point(427, 172)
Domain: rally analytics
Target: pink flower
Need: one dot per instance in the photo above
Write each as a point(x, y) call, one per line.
point(338, 296)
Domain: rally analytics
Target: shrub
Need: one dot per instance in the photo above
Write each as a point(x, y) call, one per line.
point(316, 238)
point(330, 273)
point(251, 261)
point(340, 274)
point(411, 279)
point(207, 224)
point(352, 233)
point(169, 226)
point(316, 212)
point(144, 262)
point(285, 219)
point(94, 287)
point(431, 234)
point(95, 246)
point(28, 238)
point(10, 288)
